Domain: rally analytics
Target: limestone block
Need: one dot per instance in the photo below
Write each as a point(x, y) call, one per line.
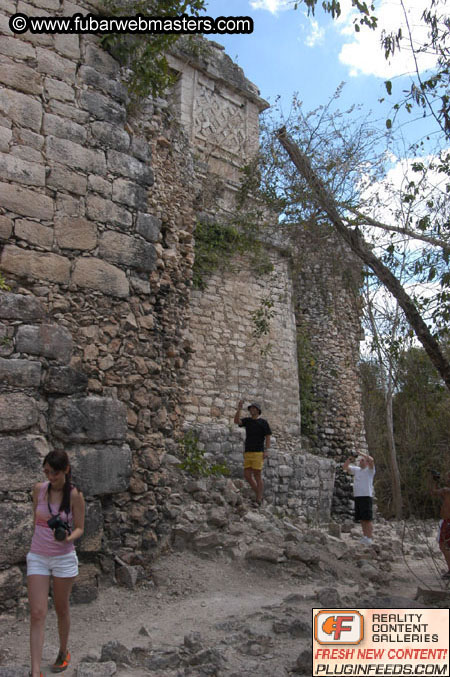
point(22, 171)
point(6, 340)
point(85, 588)
point(11, 582)
point(101, 61)
point(127, 165)
point(20, 307)
point(285, 471)
point(5, 138)
point(92, 273)
point(140, 148)
point(130, 193)
point(76, 233)
point(28, 154)
point(5, 227)
point(55, 125)
point(36, 265)
point(20, 373)
point(101, 469)
point(65, 381)
point(16, 530)
point(28, 139)
point(149, 227)
point(49, 340)
point(68, 45)
point(99, 185)
point(55, 89)
point(21, 461)
point(128, 251)
point(103, 107)
point(20, 77)
point(88, 419)
point(106, 211)
point(75, 155)
point(17, 106)
point(109, 86)
point(17, 412)
point(57, 66)
point(61, 178)
point(34, 232)
point(91, 541)
point(111, 136)
point(48, 4)
point(16, 49)
point(26, 202)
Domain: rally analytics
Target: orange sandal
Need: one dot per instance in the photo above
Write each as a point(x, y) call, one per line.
point(62, 662)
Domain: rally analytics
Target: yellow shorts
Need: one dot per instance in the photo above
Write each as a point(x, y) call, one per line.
point(254, 460)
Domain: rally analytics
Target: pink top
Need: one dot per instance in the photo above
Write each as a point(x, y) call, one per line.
point(44, 541)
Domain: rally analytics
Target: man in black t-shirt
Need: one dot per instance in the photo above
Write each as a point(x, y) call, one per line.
point(257, 443)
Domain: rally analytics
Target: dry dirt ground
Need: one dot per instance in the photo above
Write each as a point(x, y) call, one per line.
point(253, 616)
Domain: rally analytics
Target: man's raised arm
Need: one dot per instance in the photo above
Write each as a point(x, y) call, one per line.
point(237, 416)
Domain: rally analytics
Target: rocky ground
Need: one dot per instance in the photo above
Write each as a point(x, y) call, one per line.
point(233, 594)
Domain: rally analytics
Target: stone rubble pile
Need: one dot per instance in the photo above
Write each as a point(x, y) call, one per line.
point(215, 518)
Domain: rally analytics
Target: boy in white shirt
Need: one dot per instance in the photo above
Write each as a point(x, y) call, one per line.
point(363, 493)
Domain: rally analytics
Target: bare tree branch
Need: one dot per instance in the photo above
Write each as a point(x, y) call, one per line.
point(358, 245)
point(435, 241)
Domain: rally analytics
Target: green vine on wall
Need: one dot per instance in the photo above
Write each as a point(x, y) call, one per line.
point(217, 244)
point(194, 461)
point(4, 286)
point(144, 55)
point(261, 319)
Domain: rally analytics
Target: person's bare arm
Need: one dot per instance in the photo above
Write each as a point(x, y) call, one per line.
point(237, 416)
point(78, 510)
point(348, 462)
point(369, 459)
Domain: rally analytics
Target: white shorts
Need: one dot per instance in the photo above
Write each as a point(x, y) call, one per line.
point(60, 566)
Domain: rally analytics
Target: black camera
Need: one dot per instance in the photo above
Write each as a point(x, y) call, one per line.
point(60, 528)
point(435, 474)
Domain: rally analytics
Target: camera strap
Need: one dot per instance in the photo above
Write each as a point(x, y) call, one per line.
point(49, 508)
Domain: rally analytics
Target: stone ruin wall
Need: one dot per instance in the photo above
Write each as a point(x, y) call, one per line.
point(228, 362)
point(96, 223)
point(220, 109)
point(97, 212)
point(328, 309)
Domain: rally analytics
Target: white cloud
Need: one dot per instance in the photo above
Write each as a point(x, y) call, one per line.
point(272, 6)
point(316, 35)
point(364, 54)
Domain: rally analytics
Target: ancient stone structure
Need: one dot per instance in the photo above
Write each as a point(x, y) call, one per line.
point(105, 350)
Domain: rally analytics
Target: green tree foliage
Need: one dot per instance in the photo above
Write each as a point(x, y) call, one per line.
point(144, 55)
point(422, 425)
point(428, 92)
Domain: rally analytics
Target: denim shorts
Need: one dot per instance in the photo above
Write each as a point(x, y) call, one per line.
point(60, 566)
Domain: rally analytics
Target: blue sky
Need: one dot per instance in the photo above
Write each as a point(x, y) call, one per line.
point(290, 52)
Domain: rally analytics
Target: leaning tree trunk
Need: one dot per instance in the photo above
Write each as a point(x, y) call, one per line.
point(358, 245)
point(395, 472)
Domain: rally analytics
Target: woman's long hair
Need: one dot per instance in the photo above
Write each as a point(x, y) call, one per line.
point(59, 460)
